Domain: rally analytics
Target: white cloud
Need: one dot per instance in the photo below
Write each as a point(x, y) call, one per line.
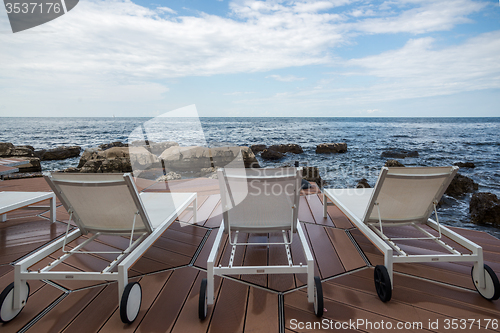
point(421, 69)
point(287, 78)
point(116, 49)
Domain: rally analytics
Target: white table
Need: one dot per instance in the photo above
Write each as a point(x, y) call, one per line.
point(10, 201)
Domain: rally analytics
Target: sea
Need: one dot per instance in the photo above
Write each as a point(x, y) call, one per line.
point(438, 141)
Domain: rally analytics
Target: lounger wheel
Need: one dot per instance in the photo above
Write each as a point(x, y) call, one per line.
point(318, 297)
point(383, 283)
point(131, 302)
point(202, 304)
point(492, 289)
point(7, 311)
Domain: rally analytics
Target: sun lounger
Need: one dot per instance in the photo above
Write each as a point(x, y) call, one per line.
point(100, 204)
point(406, 197)
point(260, 201)
point(10, 201)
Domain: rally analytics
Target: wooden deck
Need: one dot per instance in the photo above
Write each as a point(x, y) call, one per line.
point(171, 271)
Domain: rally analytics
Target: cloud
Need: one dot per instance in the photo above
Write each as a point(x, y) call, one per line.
point(288, 78)
point(421, 69)
point(116, 49)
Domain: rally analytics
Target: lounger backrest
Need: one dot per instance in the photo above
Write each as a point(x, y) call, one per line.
point(101, 202)
point(260, 200)
point(408, 194)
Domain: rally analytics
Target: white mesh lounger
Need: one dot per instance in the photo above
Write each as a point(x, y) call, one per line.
point(10, 201)
point(100, 204)
point(260, 201)
point(407, 197)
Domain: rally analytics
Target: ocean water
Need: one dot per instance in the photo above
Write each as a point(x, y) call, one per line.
point(439, 142)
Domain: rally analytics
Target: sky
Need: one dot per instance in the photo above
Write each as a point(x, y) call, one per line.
point(244, 58)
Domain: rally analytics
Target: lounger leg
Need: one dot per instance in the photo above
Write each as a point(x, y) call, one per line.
point(388, 265)
point(195, 210)
point(479, 269)
point(310, 281)
point(325, 205)
point(17, 287)
point(53, 209)
point(3, 217)
point(122, 281)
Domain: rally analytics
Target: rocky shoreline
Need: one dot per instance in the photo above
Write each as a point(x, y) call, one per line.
point(164, 161)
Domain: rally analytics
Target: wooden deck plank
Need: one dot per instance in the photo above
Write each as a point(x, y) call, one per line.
point(325, 255)
point(316, 207)
point(338, 218)
point(409, 293)
point(230, 308)
point(305, 214)
point(277, 256)
point(99, 309)
point(215, 218)
point(256, 255)
point(188, 320)
point(150, 285)
point(36, 303)
point(207, 208)
point(65, 311)
point(262, 311)
point(163, 313)
point(347, 252)
point(187, 215)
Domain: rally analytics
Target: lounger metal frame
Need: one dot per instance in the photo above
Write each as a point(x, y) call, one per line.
point(392, 252)
point(124, 260)
point(290, 268)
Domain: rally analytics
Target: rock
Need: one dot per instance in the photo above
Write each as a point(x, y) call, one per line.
point(398, 153)
point(106, 146)
point(465, 165)
point(363, 183)
point(461, 185)
point(88, 154)
point(311, 174)
point(485, 208)
point(287, 148)
point(117, 159)
point(33, 165)
point(272, 155)
point(72, 170)
point(58, 153)
point(156, 148)
point(257, 148)
point(5, 149)
point(249, 159)
point(195, 158)
point(329, 148)
point(27, 146)
point(393, 163)
point(169, 176)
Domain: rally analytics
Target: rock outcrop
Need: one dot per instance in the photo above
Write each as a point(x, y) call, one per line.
point(398, 153)
point(461, 185)
point(287, 148)
point(58, 153)
point(257, 148)
point(273, 155)
point(331, 148)
point(7, 149)
point(106, 146)
point(117, 159)
point(393, 163)
point(469, 165)
point(363, 183)
point(485, 208)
